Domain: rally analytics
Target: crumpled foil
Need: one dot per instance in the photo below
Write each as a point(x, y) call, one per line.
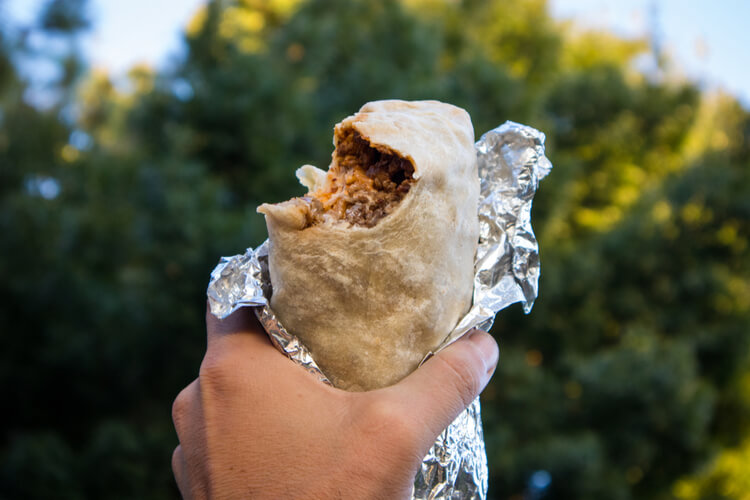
point(511, 163)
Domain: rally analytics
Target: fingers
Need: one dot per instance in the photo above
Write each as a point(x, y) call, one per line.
point(184, 405)
point(447, 383)
point(242, 321)
point(179, 470)
point(188, 460)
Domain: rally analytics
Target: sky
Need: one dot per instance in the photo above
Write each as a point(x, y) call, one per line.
point(705, 39)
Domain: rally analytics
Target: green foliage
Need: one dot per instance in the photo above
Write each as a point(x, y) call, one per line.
point(64, 16)
point(628, 379)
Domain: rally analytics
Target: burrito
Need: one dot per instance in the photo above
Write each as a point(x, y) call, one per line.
point(374, 266)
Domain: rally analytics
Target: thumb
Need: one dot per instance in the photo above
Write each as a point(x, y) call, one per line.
point(447, 383)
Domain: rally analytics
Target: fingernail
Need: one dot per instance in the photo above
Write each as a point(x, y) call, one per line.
point(487, 347)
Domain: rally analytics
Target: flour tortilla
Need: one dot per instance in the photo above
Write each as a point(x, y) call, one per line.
point(371, 302)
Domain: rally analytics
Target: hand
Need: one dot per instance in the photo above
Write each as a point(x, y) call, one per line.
point(256, 425)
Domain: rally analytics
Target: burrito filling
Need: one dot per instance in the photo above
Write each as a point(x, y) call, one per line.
point(363, 185)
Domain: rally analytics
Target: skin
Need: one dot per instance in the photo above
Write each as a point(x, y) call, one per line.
point(256, 425)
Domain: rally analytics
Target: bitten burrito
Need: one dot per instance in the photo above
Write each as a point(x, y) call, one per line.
point(374, 266)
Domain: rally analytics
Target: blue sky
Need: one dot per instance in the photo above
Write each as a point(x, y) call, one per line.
point(705, 39)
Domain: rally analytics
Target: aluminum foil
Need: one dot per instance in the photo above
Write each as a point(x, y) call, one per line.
point(511, 163)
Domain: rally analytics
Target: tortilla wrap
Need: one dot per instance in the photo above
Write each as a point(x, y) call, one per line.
point(374, 267)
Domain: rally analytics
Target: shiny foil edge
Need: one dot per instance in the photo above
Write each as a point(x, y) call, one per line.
point(511, 161)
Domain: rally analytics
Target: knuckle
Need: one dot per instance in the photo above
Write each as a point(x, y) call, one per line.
point(215, 372)
point(383, 412)
point(464, 380)
point(176, 460)
point(181, 405)
point(389, 437)
point(389, 424)
point(178, 470)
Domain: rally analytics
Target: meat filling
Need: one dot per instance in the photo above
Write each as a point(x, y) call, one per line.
point(363, 185)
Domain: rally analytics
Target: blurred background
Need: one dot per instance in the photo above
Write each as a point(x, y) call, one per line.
point(137, 138)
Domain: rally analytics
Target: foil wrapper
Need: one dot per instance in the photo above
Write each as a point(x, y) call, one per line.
point(511, 163)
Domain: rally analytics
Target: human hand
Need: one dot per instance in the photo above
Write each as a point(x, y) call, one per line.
point(256, 425)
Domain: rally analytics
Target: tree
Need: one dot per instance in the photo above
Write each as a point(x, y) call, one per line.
point(626, 381)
